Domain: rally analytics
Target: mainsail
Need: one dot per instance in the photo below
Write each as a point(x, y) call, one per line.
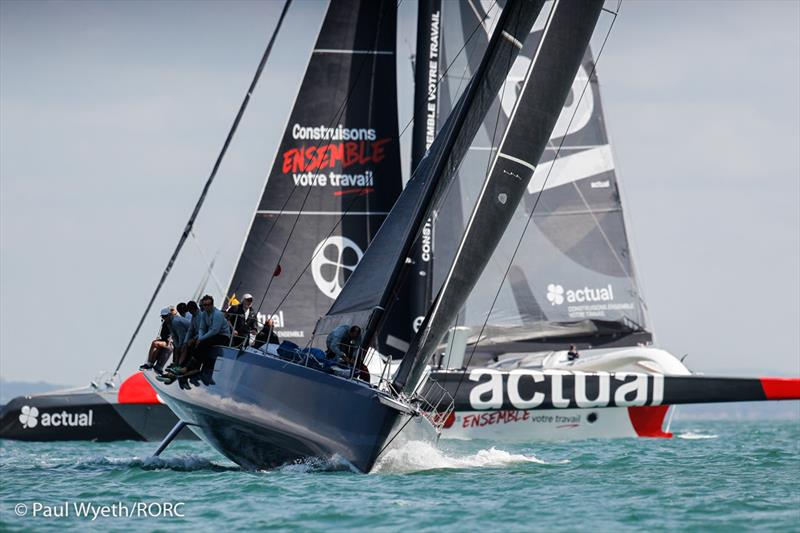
point(573, 275)
point(545, 89)
point(336, 175)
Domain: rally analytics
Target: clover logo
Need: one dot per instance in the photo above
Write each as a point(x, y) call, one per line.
point(555, 294)
point(28, 417)
point(334, 259)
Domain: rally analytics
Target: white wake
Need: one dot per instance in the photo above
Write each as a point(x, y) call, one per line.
point(415, 456)
point(693, 435)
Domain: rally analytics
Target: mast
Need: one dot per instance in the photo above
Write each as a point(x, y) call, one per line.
point(408, 312)
point(374, 283)
point(546, 87)
point(336, 174)
point(426, 118)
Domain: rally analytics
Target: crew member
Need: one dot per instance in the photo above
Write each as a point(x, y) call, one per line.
point(213, 330)
point(572, 354)
point(160, 349)
point(343, 345)
point(243, 318)
point(267, 335)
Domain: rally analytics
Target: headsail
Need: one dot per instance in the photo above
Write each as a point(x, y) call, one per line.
point(573, 274)
point(373, 284)
point(338, 160)
point(545, 89)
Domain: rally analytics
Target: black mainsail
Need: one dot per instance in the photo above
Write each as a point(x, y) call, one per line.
point(545, 89)
point(336, 174)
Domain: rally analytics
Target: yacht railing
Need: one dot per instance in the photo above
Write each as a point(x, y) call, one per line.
point(431, 400)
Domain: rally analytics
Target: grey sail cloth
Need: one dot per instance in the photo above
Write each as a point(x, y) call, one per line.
point(371, 285)
point(575, 261)
point(544, 92)
point(339, 153)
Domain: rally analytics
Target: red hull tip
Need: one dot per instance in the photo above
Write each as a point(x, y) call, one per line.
point(648, 421)
point(136, 389)
point(781, 388)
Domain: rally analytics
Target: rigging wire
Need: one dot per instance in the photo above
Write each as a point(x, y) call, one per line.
point(536, 202)
point(188, 229)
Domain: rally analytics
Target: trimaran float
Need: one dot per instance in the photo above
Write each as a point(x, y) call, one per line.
point(335, 179)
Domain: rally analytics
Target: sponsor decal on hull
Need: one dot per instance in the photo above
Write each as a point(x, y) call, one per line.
point(509, 425)
point(524, 389)
point(30, 417)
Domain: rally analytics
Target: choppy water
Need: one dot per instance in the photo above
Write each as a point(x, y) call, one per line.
point(715, 476)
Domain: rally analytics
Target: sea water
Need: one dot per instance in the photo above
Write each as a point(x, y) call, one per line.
point(713, 476)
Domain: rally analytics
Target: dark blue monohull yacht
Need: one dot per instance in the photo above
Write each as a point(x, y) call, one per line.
point(262, 408)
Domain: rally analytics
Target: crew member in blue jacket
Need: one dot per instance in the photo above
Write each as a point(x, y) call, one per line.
point(213, 329)
point(343, 344)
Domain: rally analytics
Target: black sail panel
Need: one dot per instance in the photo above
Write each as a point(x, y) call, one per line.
point(414, 298)
point(372, 284)
point(545, 90)
point(336, 175)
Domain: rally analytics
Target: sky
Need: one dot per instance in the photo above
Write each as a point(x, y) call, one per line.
point(112, 114)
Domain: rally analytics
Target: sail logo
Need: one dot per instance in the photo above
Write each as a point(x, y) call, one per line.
point(277, 319)
point(557, 295)
point(307, 163)
point(427, 241)
point(333, 261)
point(29, 418)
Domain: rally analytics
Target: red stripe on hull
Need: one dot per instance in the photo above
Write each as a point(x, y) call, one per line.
point(647, 421)
point(781, 388)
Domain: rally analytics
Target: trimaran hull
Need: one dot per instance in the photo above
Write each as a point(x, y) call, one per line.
point(261, 412)
point(131, 413)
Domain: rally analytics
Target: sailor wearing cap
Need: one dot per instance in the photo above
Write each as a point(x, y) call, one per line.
point(160, 348)
point(243, 318)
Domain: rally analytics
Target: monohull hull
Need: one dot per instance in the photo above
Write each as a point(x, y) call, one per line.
point(261, 411)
